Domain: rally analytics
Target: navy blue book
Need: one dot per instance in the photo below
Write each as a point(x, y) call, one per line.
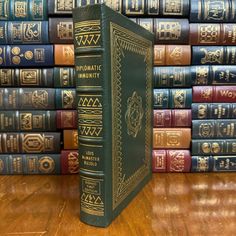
point(26, 56)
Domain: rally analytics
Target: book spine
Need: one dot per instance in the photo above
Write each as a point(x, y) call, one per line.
point(171, 31)
point(27, 121)
point(159, 161)
point(70, 138)
point(65, 99)
point(202, 164)
point(64, 54)
point(26, 77)
point(152, 8)
point(213, 55)
point(147, 23)
point(27, 32)
point(202, 111)
point(30, 164)
point(177, 76)
point(162, 118)
point(201, 75)
point(212, 11)
point(26, 56)
point(38, 10)
point(178, 161)
point(171, 138)
point(4, 10)
point(61, 7)
point(161, 98)
point(27, 98)
point(3, 32)
point(67, 119)
point(31, 143)
point(63, 77)
point(206, 129)
point(179, 8)
point(116, 5)
point(69, 162)
point(213, 147)
point(181, 118)
point(19, 10)
point(224, 94)
point(134, 8)
point(89, 63)
point(173, 55)
point(61, 30)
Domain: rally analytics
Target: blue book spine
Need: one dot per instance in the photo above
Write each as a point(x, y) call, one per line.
point(38, 10)
point(202, 164)
point(4, 9)
point(26, 56)
point(3, 32)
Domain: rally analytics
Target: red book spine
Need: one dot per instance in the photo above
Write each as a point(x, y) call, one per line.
point(225, 94)
point(162, 118)
point(159, 161)
point(67, 119)
point(69, 162)
point(202, 94)
point(178, 160)
point(181, 118)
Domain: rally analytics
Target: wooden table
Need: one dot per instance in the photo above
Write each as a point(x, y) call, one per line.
point(171, 204)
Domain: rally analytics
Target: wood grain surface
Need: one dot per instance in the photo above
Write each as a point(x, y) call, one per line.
point(171, 204)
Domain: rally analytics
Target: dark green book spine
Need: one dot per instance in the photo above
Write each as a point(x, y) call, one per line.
point(4, 9)
point(27, 121)
point(180, 98)
point(38, 10)
point(213, 55)
point(172, 77)
point(214, 147)
point(30, 142)
point(65, 99)
point(63, 77)
point(30, 164)
point(207, 129)
point(161, 98)
point(26, 77)
point(213, 111)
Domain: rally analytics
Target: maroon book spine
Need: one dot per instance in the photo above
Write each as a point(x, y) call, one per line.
point(69, 162)
point(67, 119)
point(162, 118)
point(159, 161)
point(214, 94)
point(178, 160)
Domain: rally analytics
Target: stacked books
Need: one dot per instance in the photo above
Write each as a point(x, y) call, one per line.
point(34, 95)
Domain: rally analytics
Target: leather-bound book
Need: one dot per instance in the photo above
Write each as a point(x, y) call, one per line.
point(63, 77)
point(70, 138)
point(61, 7)
point(69, 162)
point(67, 119)
point(159, 161)
point(174, 8)
point(64, 54)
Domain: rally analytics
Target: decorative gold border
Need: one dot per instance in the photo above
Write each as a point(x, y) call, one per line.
point(124, 40)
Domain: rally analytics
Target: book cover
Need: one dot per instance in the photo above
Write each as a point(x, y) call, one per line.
point(113, 58)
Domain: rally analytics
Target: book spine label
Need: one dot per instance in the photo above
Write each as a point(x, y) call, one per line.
point(5, 10)
point(223, 75)
point(3, 32)
point(26, 56)
point(171, 31)
point(210, 55)
point(27, 98)
point(7, 77)
point(65, 99)
point(70, 139)
point(133, 8)
point(64, 54)
point(224, 163)
point(213, 129)
point(38, 10)
point(224, 94)
point(213, 11)
point(27, 121)
point(180, 98)
point(201, 75)
point(27, 32)
point(63, 77)
point(171, 138)
point(30, 142)
point(202, 164)
point(19, 10)
point(61, 30)
point(181, 118)
point(61, 7)
point(202, 94)
point(30, 164)
point(162, 118)
point(172, 55)
point(213, 111)
point(67, 119)
point(152, 7)
point(161, 98)
point(159, 161)
point(172, 76)
point(178, 160)
point(213, 147)
point(69, 162)
point(146, 23)
point(176, 8)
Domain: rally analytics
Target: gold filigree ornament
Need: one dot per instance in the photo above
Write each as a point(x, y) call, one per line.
point(134, 114)
point(46, 164)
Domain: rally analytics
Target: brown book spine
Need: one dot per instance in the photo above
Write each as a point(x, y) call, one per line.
point(172, 55)
point(69, 162)
point(171, 138)
point(178, 160)
point(64, 54)
point(70, 139)
point(159, 161)
point(67, 119)
point(212, 34)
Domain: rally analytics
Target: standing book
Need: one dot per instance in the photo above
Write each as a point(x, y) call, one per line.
point(113, 61)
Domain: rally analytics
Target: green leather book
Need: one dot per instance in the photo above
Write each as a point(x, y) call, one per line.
point(113, 73)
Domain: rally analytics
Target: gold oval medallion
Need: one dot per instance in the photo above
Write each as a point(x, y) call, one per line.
point(29, 55)
point(15, 50)
point(16, 60)
point(46, 165)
